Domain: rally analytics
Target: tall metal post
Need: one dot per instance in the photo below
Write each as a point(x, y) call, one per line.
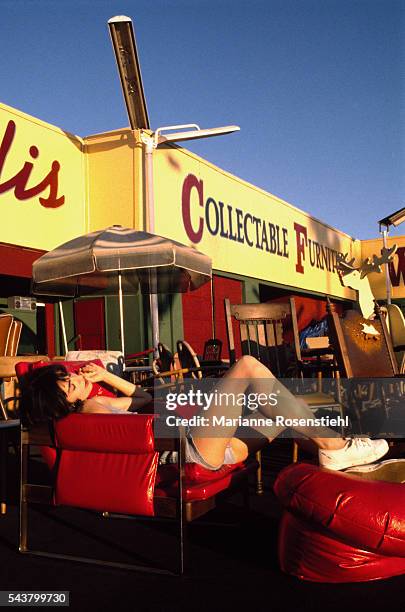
point(126, 55)
point(148, 142)
point(121, 307)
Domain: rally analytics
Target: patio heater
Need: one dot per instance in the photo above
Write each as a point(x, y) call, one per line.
point(394, 220)
point(126, 55)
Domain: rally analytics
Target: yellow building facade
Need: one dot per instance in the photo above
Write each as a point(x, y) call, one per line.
point(55, 186)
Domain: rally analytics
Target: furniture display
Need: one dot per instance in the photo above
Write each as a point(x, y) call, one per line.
point(339, 528)
point(261, 329)
point(261, 334)
point(363, 352)
point(362, 347)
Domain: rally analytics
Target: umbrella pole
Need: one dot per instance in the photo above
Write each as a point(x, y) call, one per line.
point(121, 314)
point(154, 311)
point(62, 322)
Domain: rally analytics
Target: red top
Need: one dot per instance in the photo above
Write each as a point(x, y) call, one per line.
point(98, 390)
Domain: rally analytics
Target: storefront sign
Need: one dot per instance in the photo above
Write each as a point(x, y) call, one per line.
point(231, 223)
point(396, 267)
point(318, 255)
point(397, 272)
point(244, 229)
point(42, 183)
point(19, 181)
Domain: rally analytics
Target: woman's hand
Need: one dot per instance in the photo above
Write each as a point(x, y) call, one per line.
point(93, 372)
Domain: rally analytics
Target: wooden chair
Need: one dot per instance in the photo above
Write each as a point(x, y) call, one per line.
point(14, 338)
point(262, 330)
point(363, 350)
point(9, 383)
point(6, 325)
point(262, 334)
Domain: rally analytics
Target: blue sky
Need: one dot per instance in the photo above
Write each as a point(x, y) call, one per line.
point(317, 87)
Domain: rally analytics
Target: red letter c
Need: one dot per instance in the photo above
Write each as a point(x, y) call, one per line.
point(189, 182)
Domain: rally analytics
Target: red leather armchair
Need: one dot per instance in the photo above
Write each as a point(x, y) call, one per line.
point(109, 463)
point(340, 528)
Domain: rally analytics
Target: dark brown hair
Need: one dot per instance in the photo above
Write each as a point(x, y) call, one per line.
point(42, 398)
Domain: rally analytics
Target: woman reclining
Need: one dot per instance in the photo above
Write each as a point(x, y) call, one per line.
point(51, 392)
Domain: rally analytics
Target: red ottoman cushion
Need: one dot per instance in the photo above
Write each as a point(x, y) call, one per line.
point(338, 527)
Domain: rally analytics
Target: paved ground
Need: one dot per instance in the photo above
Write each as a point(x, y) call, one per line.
point(233, 563)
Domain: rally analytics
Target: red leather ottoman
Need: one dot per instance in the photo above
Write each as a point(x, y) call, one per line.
point(339, 528)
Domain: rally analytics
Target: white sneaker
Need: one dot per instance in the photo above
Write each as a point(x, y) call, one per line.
point(357, 451)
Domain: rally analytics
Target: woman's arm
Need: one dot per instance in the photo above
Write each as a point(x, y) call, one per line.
point(139, 399)
point(111, 404)
point(95, 373)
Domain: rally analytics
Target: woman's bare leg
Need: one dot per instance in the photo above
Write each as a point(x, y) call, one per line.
point(248, 373)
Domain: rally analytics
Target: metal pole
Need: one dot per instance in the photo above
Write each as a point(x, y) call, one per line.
point(121, 313)
point(387, 269)
point(150, 225)
point(62, 322)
